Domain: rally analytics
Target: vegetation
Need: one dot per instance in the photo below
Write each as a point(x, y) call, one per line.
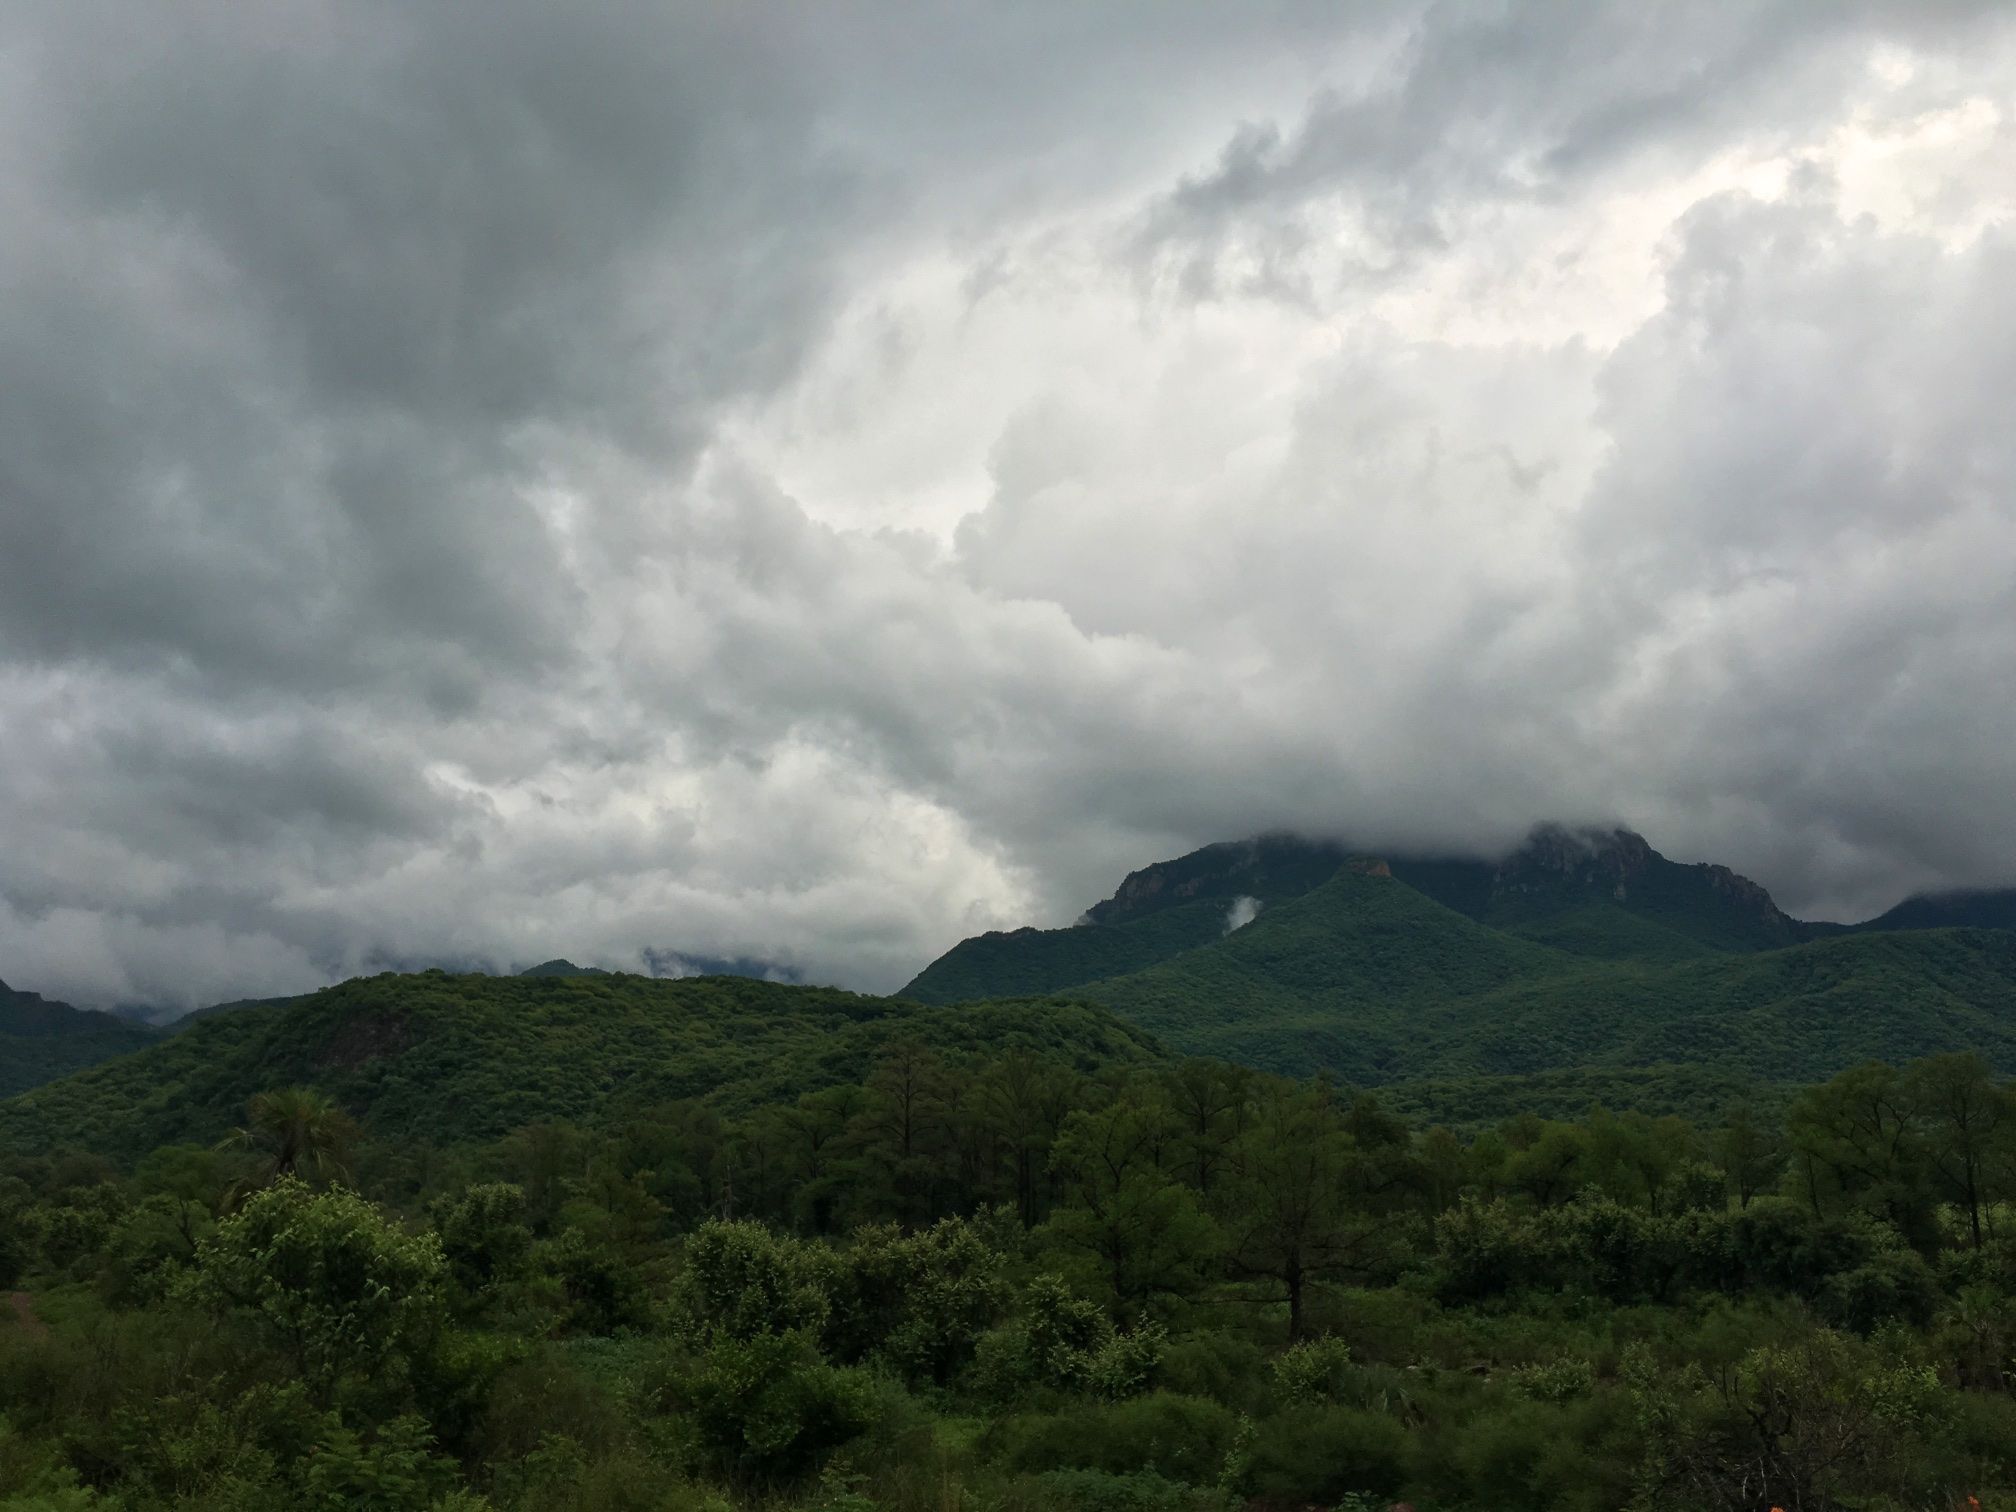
point(1650, 1209)
point(1035, 962)
point(1376, 983)
point(1579, 957)
point(444, 1059)
point(1019, 1275)
point(41, 1040)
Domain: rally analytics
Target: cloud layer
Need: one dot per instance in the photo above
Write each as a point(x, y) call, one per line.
point(480, 484)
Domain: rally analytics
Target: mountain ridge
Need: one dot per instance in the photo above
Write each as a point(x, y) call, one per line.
point(42, 1038)
point(1579, 951)
point(1603, 892)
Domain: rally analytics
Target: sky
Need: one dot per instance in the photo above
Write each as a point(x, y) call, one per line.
point(486, 482)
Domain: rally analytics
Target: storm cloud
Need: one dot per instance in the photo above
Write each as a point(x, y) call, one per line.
point(483, 483)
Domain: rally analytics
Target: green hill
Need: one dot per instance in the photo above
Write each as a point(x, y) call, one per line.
point(1982, 909)
point(1582, 955)
point(445, 1058)
point(1034, 962)
point(1604, 894)
point(561, 968)
point(1327, 980)
point(1157, 912)
point(1375, 983)
point(41, 1039)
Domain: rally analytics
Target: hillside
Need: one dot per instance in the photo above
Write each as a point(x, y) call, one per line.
point(41, 1039)
point(1373, 982)
point(447, 1058)
point(1604, 894)
point(1327, 980)
point(1979, 909)
point(1582, 954)
point(1034, 962)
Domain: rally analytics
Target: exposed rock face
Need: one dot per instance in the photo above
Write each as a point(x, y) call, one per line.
point(1741, 889)
point(1265, 868)
point(1600, 860)
point(1620, 864)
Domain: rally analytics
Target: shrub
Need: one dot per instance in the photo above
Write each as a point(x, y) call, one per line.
point(1184, 1438)
point(1312, 1371)
point(325, 1277)
point(1323, 1453)
point(1226, 1367)
point(769, 1410)
point(741, 1281)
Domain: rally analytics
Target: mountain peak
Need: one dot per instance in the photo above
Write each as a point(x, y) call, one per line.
point(559, 966)
point(1595, 857)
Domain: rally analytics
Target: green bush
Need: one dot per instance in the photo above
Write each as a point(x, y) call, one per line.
point(1312, 1371)
point(767, 1410)
point(1323, 1453)
point(1226, 1367)
point(1184, 1438)
point(1139, 1491)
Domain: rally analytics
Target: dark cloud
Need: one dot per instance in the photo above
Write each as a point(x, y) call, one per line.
point(485, 483)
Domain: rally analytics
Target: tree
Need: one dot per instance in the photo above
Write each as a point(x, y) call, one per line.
point(296, 1131)
point(1548, 1166)
point(1286, 1210)
point(484, 1237)
point(810, 1136)
point(1633, 1158)
point(920, 1301)
point(325, 1277)
point(1144, 1235)
point(1209, 1100)
point(741, 1280)
point(1024, 1100)
point(1856, 1141)
point(901, 1125)
point(1750, 1154)
point(1967, 1120)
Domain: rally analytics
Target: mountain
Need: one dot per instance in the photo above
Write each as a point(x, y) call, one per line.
point(41, 1039)
point(1582, 952)
point(561, 968)
point(1982, 909)
point(447, 1058)
point(1590, 892)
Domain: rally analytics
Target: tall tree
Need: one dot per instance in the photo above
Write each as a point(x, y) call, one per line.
point(1286, 1208)
point(1967, 1120)
point(1750, 1154)
point(1141, 1233)
point(1856, 1140)
point(296, 1131)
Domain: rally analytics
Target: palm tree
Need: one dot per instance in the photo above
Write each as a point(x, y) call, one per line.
point(296, 1131)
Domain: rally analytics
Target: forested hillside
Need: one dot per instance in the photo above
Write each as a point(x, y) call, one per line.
point(1577, 955)
point(446, 1058)
point(41, 1040)
point(1375, 983)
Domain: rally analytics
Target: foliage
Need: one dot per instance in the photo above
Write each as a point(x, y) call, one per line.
point(1035, 1279)
point(324, 1277)
point(438, 1059)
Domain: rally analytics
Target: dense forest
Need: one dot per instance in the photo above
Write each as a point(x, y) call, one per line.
point(1022, 1276)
